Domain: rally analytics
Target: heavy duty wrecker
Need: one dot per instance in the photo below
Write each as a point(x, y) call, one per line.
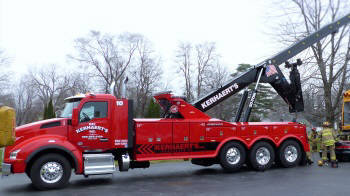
point(94, 131)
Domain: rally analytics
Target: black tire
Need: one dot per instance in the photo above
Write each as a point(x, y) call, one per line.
point(28, 173)
point(283, 149)
point(267, 150)
point(60, 162)
point(232, 164)
point(303, 160)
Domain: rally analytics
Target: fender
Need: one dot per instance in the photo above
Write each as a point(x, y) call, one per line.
point(33, 146)
point(72, 154)
point(223, 142)
point(265, 137)
point(300, 139)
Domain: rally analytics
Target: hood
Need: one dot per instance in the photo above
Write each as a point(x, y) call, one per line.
point(50, 126)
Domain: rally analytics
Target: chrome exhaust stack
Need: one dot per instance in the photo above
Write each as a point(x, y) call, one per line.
point(123, 94)
point(112, 88)
point(123, 87)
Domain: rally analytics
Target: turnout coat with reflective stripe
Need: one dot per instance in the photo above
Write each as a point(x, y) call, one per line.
point(327, 137)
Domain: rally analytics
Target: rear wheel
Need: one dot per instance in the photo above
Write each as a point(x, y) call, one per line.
point(289, 153)
point(51, 171)
point(262, 156)
point(232, 156)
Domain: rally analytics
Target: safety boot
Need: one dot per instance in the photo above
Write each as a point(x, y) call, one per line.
point(309, 162)
point(334, 164)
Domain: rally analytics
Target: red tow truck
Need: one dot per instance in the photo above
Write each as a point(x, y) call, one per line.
point(95, 130)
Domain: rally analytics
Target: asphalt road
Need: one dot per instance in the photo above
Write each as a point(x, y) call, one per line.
point(183, 178)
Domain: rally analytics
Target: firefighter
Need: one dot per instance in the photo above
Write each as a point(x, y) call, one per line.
point(309, 158)
point(314, 141)
point(328, 138)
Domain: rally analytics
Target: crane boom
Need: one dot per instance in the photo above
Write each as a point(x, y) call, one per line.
point(269, 72)
point(309, 40)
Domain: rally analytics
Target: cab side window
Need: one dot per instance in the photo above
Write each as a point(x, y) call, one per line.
point(93, 110)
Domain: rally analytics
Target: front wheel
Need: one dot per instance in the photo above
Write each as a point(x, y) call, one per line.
point(51, 171)
point(232, 156)
point(289, 153)
point(262, 156)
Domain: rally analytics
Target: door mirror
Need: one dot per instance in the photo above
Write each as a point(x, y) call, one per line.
point(75, 117)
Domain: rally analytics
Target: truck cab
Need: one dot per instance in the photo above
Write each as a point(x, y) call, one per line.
point(98, 122)
point(88, 124)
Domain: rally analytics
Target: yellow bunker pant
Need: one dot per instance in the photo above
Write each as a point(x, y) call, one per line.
point(331, 150)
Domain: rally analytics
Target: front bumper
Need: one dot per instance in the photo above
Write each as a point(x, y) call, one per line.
point(6, 169)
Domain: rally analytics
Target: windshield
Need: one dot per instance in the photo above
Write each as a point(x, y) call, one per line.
point(68, 108)
point(346, 113)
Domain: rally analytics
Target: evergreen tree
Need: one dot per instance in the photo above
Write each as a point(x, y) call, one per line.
point(50, 110)
point(45, 112)
point(153, 110)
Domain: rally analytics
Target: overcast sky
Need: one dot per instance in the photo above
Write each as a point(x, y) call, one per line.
point(41, 32)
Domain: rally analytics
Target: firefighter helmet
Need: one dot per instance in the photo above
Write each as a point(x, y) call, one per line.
point(320, 163)
point(326, 124)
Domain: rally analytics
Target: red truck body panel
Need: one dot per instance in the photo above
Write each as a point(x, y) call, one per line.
point(175, 139)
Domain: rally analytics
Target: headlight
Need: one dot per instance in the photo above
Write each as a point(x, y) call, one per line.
point(13, 155)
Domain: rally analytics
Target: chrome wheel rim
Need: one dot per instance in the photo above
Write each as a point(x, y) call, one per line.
point(263, 156)
point(290, 153)
point(51, 172)
point(233, 156)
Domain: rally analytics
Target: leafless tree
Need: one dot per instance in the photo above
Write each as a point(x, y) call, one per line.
point(24, 96)
point(216, 77)
point(328, 70)
point(146, 74)
point(194, 63)
point(206, 57)
point(108, 55)
point(53, 83)
point(183, 58)
point(77, 83)
point(4, 60)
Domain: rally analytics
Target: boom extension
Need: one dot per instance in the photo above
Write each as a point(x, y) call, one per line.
point(290, 92)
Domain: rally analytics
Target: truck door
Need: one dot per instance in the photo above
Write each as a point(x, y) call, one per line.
point(93, 129)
